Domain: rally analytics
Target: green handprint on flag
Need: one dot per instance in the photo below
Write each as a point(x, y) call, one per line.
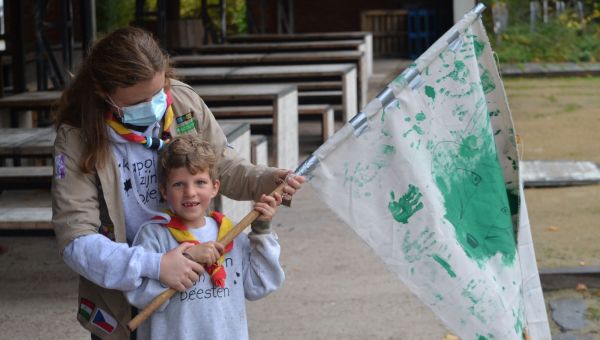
point(407, 205)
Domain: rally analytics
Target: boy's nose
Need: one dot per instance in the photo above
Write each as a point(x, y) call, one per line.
point(189, 190)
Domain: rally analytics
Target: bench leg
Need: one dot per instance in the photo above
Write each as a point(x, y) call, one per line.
point(328, 124)
point(285, 131)
point(349, 100)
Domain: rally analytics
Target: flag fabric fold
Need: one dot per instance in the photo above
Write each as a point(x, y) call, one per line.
point(432, 185)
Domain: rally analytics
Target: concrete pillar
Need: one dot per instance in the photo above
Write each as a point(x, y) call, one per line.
point(461, 7)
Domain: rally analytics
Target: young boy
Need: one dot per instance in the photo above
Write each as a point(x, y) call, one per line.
point(247, 268)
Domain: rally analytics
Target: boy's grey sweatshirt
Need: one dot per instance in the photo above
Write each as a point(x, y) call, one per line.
point(206, 311)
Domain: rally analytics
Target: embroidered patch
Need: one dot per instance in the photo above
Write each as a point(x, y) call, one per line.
point(184, 118)
point(86, 308)
point(59, 166)
point(186, 127)
point(185, 123)
point(104, 321)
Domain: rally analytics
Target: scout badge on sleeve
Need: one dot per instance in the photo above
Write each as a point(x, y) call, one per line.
point(59, 166)
point(185, 123)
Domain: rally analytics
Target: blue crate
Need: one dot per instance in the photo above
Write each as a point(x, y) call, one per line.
point(422, 31)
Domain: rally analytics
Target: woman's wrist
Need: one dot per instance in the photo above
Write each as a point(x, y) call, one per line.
point(261, 227)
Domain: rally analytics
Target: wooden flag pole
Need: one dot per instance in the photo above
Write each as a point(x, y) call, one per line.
point(167, 294)
point(526, 334)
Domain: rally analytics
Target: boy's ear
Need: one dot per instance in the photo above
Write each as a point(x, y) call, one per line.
point(216, 186)
point(163, 191)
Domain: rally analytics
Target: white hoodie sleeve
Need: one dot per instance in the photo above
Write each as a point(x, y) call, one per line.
point(151, 238)
point(262, 272)
point(111, 264)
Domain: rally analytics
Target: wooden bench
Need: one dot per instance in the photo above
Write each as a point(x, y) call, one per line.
point(26, 101)
point(32, 143)
point(26, 218)
point(367, 38)
point(282, 98)
point(25, 177)
point(323, 111)
point(287, 58)
point(25, 209)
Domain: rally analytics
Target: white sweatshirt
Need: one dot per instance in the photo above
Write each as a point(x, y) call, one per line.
point(113, 265)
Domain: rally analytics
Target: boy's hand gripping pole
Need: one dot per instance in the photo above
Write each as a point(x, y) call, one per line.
point(167, 294)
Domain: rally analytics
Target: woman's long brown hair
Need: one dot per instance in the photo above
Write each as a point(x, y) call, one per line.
point(121, 59)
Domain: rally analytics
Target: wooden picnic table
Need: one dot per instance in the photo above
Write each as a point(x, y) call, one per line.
point(367, 37)
point(283, 98)
point(346, 73)
point(283, 58)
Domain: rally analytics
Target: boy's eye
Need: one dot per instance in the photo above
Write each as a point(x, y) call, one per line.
point(200, 183)
point(177, 184)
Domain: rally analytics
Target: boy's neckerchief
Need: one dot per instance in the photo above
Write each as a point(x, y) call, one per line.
point(150, 143)
point(181, 233)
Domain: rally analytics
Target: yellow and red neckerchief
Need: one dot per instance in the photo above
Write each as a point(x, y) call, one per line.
point(150, 143)
point(181, 233)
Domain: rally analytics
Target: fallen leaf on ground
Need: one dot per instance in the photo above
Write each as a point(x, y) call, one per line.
point(581, 287)
point(451, 336)
point(552, 228)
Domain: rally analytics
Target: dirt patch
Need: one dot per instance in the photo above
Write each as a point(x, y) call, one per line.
point(559, 119)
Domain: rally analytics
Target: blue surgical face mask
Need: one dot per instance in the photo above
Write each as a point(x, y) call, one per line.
point(146, 113)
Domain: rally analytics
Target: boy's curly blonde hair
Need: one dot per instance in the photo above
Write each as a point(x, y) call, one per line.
point(189, 151)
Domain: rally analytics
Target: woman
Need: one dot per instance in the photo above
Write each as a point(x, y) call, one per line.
point(120, 109)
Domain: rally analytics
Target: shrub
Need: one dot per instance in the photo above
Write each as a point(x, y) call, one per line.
point(564, 38)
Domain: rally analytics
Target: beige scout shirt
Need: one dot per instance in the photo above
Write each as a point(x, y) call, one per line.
point(81, 203)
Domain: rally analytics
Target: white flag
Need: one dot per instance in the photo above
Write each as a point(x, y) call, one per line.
point(428, 175)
